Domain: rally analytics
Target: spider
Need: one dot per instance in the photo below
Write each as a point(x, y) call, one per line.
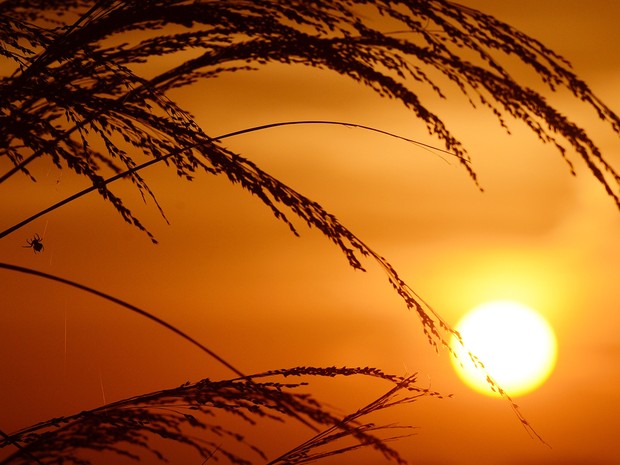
point(36, 243)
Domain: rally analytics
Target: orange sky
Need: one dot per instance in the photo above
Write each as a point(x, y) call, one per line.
point(235, 278)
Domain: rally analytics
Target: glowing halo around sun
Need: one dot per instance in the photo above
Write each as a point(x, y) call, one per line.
point(516, 344)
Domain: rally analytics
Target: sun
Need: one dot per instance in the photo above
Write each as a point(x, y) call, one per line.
point(516, 344)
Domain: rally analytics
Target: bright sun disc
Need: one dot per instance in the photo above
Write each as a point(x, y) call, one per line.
point(515, 343)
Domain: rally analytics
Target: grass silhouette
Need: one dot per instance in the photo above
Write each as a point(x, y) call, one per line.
point(71, 83)
point(189, 414)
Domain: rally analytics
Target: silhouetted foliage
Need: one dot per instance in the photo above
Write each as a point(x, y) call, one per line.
point(191, 415)
point(73, 83)
point(71, 90)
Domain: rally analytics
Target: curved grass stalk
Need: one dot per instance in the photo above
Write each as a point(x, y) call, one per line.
point(128, 306)
point(34, 156)
point(146, 164)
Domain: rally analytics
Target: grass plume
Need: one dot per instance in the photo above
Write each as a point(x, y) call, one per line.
point(190, 415)
point(71, 81)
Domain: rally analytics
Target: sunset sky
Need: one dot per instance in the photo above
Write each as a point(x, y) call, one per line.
point(231, 275)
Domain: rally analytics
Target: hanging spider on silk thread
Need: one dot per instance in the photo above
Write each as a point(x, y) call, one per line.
point(36, 244)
